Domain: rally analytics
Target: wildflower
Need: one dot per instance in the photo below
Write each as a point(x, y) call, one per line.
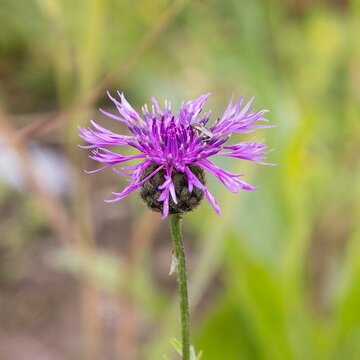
point(174, 150)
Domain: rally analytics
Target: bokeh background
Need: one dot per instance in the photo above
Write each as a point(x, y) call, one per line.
point(277, 276)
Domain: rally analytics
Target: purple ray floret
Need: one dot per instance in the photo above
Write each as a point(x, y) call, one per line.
point(175, 143)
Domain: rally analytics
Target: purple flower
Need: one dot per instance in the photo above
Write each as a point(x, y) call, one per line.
point(173, 150)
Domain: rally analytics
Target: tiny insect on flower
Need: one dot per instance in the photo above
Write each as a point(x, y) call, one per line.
point(203, 132)
point(174, 150)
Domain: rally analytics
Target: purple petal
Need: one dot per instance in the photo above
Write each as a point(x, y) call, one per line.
point(125, 109)
point(96, 170)
point(190, 111)
point(102, 137)
point(249, 151)
point(134, 185)
point(195, 181)
point(166, 207)
point(239, 120)
point(156, 107)
point(230, 180)
point(167, 187)
point(106, 156)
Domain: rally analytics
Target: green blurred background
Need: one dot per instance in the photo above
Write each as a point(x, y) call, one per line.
point(277, 276)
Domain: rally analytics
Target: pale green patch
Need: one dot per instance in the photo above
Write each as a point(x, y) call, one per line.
point(178, 347)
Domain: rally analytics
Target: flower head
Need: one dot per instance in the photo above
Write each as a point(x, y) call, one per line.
point(174, 150)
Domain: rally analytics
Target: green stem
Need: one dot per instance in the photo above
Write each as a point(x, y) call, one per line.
point(175, 228)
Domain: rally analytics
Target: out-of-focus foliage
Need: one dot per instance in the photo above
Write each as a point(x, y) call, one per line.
point(288, 254)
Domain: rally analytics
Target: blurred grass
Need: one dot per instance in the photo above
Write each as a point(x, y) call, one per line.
point(288, 254)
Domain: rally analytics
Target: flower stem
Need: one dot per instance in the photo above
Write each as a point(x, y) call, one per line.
point(175, 228)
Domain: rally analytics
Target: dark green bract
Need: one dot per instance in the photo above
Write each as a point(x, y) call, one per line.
point(186, 201)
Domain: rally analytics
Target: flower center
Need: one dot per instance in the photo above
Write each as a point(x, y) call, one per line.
point(150, 193)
